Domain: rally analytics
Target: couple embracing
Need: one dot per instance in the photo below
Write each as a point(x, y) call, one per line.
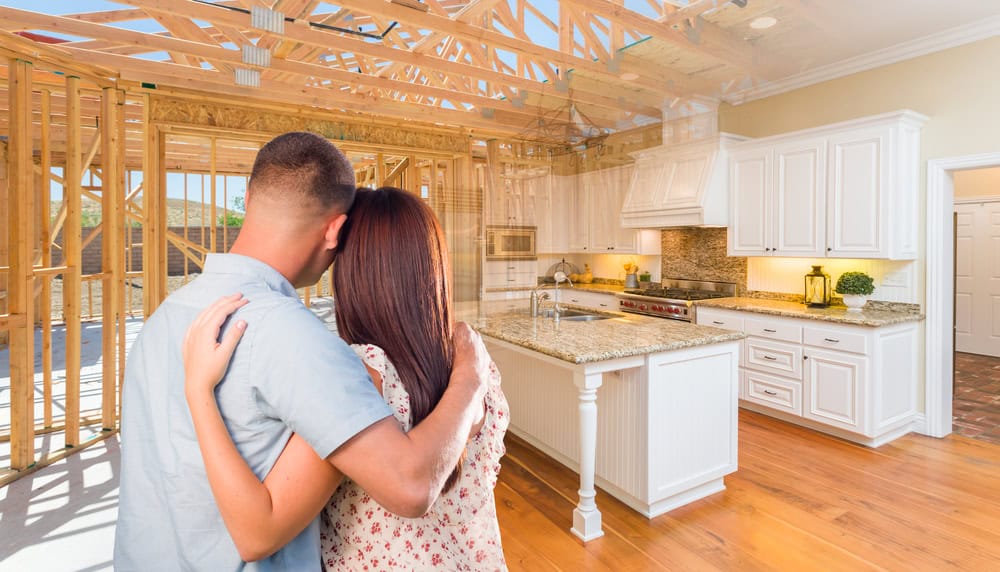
point(255, 439)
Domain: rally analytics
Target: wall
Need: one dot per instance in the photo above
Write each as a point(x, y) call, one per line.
point(955, 88)
point(977, 183)
point(91, 256)
point(604, 266)
point(700, 254)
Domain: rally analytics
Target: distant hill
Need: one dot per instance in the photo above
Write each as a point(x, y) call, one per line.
point(175, 212)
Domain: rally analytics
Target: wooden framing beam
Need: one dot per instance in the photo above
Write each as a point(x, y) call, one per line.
point(72, 255)
point(21, 279)
point(111, 252)
point(45, 252)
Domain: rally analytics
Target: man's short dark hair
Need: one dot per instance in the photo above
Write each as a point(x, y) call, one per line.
point(303, 166)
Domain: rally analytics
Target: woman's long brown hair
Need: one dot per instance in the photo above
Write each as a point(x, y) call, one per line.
point(392, 289)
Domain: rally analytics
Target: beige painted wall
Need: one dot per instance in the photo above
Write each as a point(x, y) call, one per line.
point(955, 88)
point(977, 183)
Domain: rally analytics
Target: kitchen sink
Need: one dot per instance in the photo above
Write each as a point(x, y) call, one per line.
point(584, 318)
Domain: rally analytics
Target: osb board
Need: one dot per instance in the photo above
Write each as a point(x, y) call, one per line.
point(206, 114)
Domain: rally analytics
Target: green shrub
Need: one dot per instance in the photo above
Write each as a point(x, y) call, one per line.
point(857, 283)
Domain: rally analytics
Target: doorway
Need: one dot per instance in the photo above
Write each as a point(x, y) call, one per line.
point(976, 404)
point(940, 287)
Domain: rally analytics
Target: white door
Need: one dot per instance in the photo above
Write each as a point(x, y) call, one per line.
point(750, 182)
point(799, 199)
point(977, 278)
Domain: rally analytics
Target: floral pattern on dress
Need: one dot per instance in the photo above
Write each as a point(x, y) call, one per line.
point(459, 532)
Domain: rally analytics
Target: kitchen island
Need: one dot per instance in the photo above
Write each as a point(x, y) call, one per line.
point(666, 391)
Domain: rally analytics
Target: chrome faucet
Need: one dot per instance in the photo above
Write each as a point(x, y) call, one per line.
point(560, 277)
point(536, 301)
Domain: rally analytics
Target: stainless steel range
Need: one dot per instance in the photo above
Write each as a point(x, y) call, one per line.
point(674, 298)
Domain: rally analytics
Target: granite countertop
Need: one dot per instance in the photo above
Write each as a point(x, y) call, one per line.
point(606, 288)
point(837, 314)
point(622, 335)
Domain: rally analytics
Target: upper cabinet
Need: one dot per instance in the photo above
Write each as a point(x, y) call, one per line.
point(847, 190)
point(513, 201)
point(595, 202)
point(679, 185)
point(777, 199)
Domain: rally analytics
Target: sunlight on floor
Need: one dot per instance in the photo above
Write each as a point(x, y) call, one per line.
point(63, 516)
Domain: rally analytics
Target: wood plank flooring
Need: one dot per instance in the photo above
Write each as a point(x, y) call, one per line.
point(800, 501)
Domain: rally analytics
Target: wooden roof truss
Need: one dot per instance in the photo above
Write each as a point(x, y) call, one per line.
point(490, 65)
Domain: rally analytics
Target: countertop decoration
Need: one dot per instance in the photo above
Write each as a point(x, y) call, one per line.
point(855, 287)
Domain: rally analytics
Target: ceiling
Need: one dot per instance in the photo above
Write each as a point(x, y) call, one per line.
point(540, 69)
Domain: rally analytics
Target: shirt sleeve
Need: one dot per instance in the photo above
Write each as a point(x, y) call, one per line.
point(311, 380)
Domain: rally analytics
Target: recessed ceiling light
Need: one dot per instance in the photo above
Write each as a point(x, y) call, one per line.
point(629, 76)
point(763, 23)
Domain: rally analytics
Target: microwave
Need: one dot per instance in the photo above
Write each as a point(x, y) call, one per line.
point(510, 242)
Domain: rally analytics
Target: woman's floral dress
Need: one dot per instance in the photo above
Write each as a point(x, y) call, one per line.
point(460, 532)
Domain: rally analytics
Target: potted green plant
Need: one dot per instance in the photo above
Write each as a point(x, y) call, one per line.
point(644, 278)
point(855, 287)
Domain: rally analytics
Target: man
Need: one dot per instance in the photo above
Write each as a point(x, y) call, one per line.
point(288, 374)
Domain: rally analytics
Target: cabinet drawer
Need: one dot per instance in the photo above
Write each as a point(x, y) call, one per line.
point(774, 392)
point(511, 267)
point(836, 340)
point(774, 330)
point(717, 319)
point(509, 280)
point(774, 357)
point(589, 299)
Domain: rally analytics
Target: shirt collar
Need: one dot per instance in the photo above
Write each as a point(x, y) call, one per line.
point(248, 266)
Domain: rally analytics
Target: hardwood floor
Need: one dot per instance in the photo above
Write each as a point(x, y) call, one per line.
point(800, 501)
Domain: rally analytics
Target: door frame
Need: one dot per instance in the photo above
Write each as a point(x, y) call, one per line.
point(940, 287)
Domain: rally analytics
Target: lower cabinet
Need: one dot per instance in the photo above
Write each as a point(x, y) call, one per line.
point(856, 382)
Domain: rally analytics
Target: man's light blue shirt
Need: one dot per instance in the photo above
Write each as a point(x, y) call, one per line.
point(289, 373)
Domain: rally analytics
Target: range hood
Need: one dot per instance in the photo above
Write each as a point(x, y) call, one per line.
point(684, 184)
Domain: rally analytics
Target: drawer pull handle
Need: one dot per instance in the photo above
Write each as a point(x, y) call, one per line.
point(604, 305)
point(718, 323)
point(771, 358)
point(770, 331)
point(769, 392)
point(832, 341)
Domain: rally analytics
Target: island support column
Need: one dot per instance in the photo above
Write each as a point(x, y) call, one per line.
point(586, 516)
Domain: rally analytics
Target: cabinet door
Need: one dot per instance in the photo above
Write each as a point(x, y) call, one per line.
point(834, 390)
point(578, 223)
point(798, 199)
point(604, 208)
point(750, 181)
point(858, 182)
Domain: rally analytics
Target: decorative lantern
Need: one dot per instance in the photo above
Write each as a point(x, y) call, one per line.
point(818, 289)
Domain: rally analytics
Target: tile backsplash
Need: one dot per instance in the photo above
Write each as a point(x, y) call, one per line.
point(696, 253)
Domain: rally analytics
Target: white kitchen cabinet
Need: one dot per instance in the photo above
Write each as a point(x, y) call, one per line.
point(778, 199)
point(596, 225)
point(834, 389)
point(513, 203)
point(847, 190)
point(856, 382)
point(510, 274)
point(588, 298)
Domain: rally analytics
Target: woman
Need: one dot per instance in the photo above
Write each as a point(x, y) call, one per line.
point(393, 305)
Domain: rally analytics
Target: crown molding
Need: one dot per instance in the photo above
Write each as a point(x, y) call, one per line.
point(937, 42)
